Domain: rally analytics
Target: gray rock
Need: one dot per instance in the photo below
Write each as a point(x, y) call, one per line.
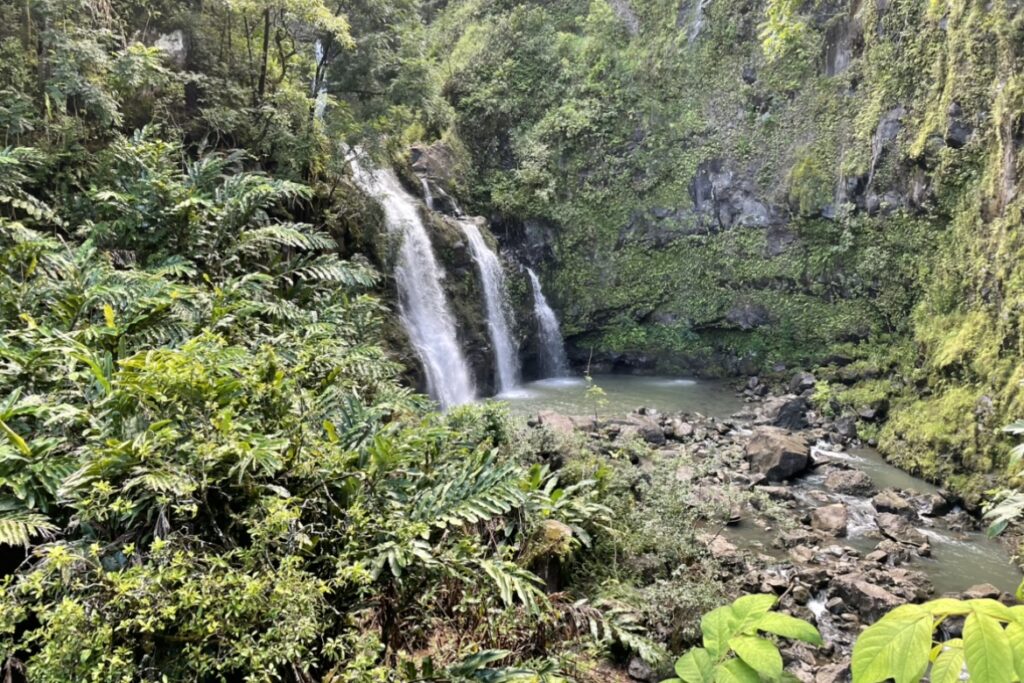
point(898, 528)
point(830, 519)
point(777, 454)
point(556, 422)
point(801, 382)
point(869, 600)
point(982, 590)
point(748, 315)
point(889, 500)
point(850, 482)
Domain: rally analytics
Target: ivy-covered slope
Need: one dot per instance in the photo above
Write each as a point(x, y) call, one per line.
point(725, 186)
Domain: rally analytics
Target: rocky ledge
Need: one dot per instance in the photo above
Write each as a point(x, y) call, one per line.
point(786, 510)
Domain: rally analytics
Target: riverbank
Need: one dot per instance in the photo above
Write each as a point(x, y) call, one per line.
point(792, 503)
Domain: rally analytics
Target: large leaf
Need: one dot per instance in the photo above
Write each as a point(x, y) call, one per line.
point(987, 649)
point(948, 665)
point(718, 626)
point(1015, 632)
point(759, 654)
point(896, 646)
point(735, 671)
point(749, 609)
point(789, 627)
point(695, 666)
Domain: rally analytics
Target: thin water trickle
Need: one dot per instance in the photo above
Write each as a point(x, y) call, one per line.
point(423, 305)
point(500, 322)
point(553, 361)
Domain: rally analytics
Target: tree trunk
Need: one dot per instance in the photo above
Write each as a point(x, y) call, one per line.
point(261, 87)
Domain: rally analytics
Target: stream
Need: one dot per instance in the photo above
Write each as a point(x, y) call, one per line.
point(959, 559)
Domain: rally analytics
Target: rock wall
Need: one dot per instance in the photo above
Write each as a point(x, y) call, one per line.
point(725, 186)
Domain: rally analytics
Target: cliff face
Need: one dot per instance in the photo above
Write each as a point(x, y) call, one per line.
point(723, 186)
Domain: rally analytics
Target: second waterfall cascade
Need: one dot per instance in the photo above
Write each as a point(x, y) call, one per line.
point(422, 302)
point(553, 361)
point(499, 314)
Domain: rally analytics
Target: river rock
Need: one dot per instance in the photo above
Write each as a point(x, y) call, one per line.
point(679, 429)
point(639, 670)
point(899, 528)
point(850, 482)
point(831, 519)
point(982, 590)
point(869, 600)
point(891, 501)
point(777, 454)
point(556, 422)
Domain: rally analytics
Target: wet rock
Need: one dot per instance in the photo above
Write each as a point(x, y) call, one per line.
point(802, 554)
point(849, 482)
point(846, 427)
point(869, 600)
point(936, 505)
point(777, 454)
point(893, 502)
point(792, 415)
point(830, 519)
point(899, 529)
point(982, 590)
point(877, 556)
point(556, 422)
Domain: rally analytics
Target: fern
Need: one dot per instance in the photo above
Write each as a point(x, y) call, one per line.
point(19, 528)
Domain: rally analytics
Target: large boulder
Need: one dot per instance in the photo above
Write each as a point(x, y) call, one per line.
point(899, 528)
point(556, 422)
point(849, 482)
point(869, 600)
point(830, 519)
point(892, 501)
point(777, 453)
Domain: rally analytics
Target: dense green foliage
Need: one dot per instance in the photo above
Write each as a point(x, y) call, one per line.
point(900, 647)
point(730, 185)
point(205, 445)
point(735, 647)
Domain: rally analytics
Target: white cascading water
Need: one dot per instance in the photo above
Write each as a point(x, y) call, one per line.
point(499, 314)
point(422, 303)
point(553, 362)
point(428, 197)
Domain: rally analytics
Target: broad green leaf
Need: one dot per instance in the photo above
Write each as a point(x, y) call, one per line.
point(695, 666)
point(987, 648)
point(897, 646)
point(991, 608)
point(735, 671)
point(718, 626)
point(789, 627)
point(1015, 632)
point(749, 609)
point(948, 665)
point(947, 606)
point(759, 654)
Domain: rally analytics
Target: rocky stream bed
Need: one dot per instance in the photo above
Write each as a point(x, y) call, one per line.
point(792, 504)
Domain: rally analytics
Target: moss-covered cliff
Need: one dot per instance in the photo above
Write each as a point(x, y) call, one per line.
point(730, 185)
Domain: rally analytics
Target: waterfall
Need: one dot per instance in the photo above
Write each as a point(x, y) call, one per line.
point(319, 89)
point(499, 313)
point(553, 362)
point(422, 303)
point(428, 197)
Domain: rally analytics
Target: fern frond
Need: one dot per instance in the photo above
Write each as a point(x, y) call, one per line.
point(19, 528)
